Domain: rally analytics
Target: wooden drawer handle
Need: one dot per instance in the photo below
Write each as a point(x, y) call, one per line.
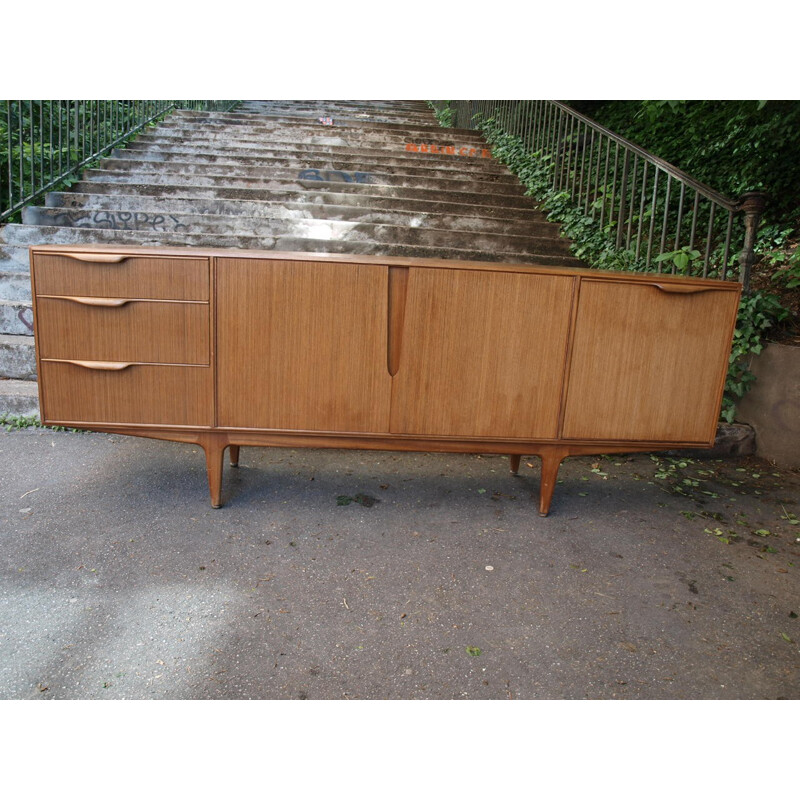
point(105, 302)
point(113, 366)
point(97, 258)
point(679, 288)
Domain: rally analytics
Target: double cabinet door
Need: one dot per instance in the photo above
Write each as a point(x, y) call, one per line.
point(337, 347)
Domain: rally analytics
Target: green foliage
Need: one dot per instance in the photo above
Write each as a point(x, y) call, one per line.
point(787, 263)
point(17, 422)
point(40, 139)
point(591, 241)
point(445, 115)
point(758, 312)
point(681, 258)
point(733, 145)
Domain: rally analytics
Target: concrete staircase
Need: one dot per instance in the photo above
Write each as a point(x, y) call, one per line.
point(383, 178)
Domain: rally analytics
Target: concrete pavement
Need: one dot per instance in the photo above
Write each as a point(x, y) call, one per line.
point(345, 574)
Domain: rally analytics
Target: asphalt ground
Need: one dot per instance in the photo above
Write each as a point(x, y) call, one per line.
point(335, 574)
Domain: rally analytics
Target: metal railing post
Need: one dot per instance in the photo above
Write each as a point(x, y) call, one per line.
point(751, 204)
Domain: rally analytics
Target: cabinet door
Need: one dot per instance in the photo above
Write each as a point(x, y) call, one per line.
point(482, 354)
point(302, 346)
point(648, 362)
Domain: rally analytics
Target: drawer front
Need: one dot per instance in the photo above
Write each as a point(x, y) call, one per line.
point(101, 275)
point(153, 331)
point(139, 394)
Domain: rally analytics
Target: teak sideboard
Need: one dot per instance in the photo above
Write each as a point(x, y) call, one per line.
point(225, 348)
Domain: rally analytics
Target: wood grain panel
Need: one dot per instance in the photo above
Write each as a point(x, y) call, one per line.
point(172, 333)
point(139, 276)
point(302, 346)
point(483, 354)
point(138, 394)
point(648, 364)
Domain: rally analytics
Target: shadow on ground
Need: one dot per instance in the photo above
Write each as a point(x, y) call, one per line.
point(369, 575)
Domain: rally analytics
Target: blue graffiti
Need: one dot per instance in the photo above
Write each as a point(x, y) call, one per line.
point(334, 176)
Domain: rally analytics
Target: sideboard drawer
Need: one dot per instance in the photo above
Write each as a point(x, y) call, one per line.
point(123, 330)
point(111, 275)
point(120, 393)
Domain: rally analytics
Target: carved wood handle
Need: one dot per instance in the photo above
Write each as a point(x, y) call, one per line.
point(105, 302)
point(114, 366)
point(398, 289)
point(679, 288)
point(97, 258)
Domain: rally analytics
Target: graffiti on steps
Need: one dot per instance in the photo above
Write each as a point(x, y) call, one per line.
point(118, 221)
point(448, 150)
point(25, 316)
point(334, 176)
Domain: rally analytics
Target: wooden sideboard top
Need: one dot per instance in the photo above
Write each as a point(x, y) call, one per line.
point(391, 261)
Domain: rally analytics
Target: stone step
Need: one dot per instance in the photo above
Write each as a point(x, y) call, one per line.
point(553, 252)
point(135, 212)
point(19, 398)
point(267, 126)
point(463, 168)
point(320, 107)
point(291, 169)
point(16, 316)
point(325, 137)
point(329, 147)
point(529, 242)
point(369, 105)
point(15, 286)
point(340, 113)
point(302, 156)
point(106, 209)
point(202, 175)
point(17, 357)
point(313, 192)
point(15, 260)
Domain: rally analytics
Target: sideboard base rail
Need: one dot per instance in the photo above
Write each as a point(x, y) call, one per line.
point(215, 443)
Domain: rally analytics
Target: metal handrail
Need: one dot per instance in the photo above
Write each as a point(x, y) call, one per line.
point(48, 141)
point(677, 174)
point(625, 189)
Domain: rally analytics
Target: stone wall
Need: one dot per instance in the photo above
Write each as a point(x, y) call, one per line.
point(772, 406)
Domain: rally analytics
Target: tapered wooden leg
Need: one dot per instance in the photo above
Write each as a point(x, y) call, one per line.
point(513, 463)
point(215, 451)
point(233, 451)
point(551, 460)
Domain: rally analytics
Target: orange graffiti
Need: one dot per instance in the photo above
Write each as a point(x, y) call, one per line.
point(448, 150)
